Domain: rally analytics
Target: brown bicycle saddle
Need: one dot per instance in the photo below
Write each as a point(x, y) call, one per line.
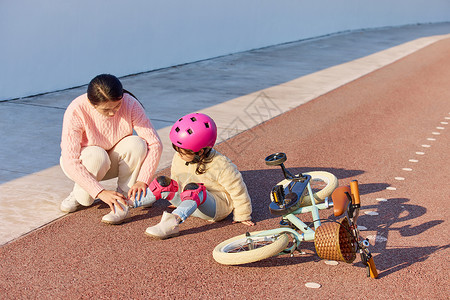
point(340, 200)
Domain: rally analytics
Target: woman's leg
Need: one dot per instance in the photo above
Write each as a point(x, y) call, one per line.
point(126, 160)
point(96, 161)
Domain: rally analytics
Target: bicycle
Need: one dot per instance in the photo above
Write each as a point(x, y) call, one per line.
point(333, 240)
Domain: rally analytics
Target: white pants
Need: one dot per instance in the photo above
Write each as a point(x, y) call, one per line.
point(123, 161)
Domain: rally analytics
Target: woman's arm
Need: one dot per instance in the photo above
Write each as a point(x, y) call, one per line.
point(72, 134)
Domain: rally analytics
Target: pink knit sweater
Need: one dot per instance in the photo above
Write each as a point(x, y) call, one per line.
point(84, 126)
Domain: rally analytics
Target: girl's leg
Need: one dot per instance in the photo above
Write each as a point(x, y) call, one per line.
point(161, 187)
point(193, 200)
point(97, 162)
point(188, 207)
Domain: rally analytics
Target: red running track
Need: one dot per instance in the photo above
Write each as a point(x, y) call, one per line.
point(367, 130)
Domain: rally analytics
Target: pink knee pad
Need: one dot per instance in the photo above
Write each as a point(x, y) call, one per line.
point(163, 184)
point(193, 194)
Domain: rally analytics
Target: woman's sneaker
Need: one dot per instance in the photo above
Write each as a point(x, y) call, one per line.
point(70, 204)
point(118, 217)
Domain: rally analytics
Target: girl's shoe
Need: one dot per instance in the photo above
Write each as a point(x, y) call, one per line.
point(70, 204)
point(166, 228)
point(118, 217)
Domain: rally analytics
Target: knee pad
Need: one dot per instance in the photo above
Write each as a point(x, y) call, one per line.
point(163, 184)
point(191, 192)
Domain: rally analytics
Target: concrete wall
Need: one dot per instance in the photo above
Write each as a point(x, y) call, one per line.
point(49, 45)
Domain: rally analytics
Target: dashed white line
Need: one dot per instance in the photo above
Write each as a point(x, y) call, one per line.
point(391, 188)
point(407, 169)
point(435, 133)
point(420, 153)
point(399, 178)
point(371, 213)
point(381, 199)
point(440, 128)
point(426, 146)
point(313, 285)
point(377, 238)
point(413, 160)
point(431, 139)
point(444, 123)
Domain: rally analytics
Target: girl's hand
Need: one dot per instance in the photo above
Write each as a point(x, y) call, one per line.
point(112, 198)
point(248, 223)
point(138, 188)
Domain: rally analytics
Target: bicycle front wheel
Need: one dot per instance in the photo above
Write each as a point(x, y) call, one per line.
point(244, 249)
point(322, 185)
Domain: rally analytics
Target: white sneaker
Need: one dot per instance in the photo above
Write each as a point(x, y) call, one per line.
point(166, 228)
point(70, 204)
point(118, 217)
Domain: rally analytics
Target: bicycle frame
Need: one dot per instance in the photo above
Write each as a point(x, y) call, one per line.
point(308, 233)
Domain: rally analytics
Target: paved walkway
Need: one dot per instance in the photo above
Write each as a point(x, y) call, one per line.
point(386, 125)
point(239, 91)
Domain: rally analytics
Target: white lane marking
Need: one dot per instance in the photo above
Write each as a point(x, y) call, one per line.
point(431, 139)
point(426, 146)
point(331, 262)
point(381, 199)
point(444, 123)
point(420, 153)
point(312, 285)
point(391, 188)
point(400, 178)
point(440, 128)
point(413, 160)
point(371, 213)
point(447, 118)
point(435, 133)
point(377, 238)
point(407, 169)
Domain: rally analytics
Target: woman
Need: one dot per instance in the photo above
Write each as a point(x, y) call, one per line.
point(98, 143)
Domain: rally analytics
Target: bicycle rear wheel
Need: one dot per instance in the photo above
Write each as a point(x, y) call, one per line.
point(238, 250)
point(322, 184)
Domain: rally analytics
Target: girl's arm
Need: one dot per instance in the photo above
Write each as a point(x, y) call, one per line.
point(231, 179)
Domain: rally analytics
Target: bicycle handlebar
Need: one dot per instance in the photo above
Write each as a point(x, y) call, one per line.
point(355, 192)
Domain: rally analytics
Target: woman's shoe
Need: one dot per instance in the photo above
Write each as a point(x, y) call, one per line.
point(70, 204)
point(118, 217)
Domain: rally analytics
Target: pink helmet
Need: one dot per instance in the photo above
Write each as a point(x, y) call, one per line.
point(194, 132)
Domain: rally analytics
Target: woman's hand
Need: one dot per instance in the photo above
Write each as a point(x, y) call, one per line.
point(248, 223)
point(112, 198)
point(138, 188)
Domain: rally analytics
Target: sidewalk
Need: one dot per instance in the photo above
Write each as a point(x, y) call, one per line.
point(239, 91)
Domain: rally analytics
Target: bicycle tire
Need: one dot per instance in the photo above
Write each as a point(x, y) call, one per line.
point(329, 179)
point(223, 252)
point(372, 269)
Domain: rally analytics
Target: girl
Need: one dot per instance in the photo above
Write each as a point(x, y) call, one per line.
point(211, 185)
point(98, 143)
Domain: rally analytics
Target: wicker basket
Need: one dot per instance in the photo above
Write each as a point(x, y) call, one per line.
point(334, 241)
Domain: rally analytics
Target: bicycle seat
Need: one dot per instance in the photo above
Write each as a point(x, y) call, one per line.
point(340, 200)
point(291, 203)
